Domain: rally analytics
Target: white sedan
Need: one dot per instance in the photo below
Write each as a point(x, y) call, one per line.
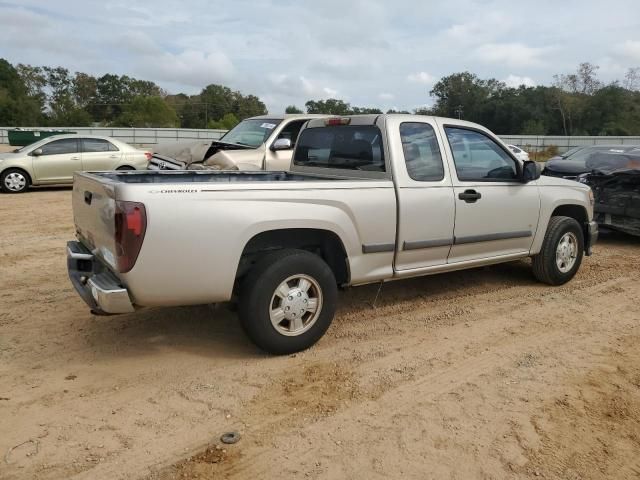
point(519, 153)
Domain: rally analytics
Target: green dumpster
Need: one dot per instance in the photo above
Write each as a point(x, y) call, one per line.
point(20, 138)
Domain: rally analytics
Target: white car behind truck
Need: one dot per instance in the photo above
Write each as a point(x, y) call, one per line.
point(367, 199)
point(258, 143)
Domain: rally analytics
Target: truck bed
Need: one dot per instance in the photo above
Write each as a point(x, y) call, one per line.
point(208, 176)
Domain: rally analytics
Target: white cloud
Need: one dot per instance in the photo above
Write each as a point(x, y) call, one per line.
point(514, 81)
point(629, 49)
point(183, 45)
point(192, 68)
point(386, 96)
point(421, 77)
point(299, 85)
point(512, 54)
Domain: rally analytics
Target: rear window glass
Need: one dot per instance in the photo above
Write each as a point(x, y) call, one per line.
point(353, 147)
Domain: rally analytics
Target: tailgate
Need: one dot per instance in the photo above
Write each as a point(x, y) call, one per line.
point(94, 205)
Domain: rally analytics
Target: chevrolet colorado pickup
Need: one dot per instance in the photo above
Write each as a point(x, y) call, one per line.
point(367, 199)
point(258, 143)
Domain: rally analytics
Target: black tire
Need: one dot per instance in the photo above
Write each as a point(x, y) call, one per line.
point(125, 168)
point(545, 266)
point(16, 171)
point(258, 297)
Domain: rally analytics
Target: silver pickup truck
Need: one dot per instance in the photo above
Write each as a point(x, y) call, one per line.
point(367, 199)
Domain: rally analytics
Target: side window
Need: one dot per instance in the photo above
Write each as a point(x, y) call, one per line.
point(421, 152)
point(90, 145)
point(292, 131)
point(478, 157)
point(59, 147)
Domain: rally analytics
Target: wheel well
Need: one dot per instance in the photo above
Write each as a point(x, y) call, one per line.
point(324, 243)
point(577, 212)
point(125, 167)
point(26, 174)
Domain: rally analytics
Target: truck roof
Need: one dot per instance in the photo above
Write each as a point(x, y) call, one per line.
point(281, 116)
point(370, 119)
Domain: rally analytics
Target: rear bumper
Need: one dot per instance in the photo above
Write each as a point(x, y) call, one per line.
point(97, 286)
point(591, 236)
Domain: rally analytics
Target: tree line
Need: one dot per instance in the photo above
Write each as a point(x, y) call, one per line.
point(576, 103)
point(55, 97)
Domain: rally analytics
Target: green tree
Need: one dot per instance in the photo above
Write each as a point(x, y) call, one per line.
point(148, 112)
point(292, 109)
point(85, 89)
point(225, 123)
point(35, 81)
point(330, 106)
point(365, 111)
point(464, 95)
point(17, 107)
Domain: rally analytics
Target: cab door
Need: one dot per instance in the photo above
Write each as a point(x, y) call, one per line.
point(426, 208)
point(496, 213)
point(57, 160)
point(99, 154)
point(281, 159)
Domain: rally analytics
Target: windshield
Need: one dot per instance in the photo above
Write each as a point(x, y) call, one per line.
point(570, 152)
point(251, 133)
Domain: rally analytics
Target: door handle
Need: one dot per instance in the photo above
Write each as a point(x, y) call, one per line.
point(75, 158)
point(470, 196)
point(113, 156)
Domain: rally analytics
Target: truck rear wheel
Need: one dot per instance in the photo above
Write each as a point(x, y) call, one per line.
point(287, 301)
point(561, 253)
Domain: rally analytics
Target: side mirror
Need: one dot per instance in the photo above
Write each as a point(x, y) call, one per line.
point(530, 171)
point(37, 152)
point(281, 144)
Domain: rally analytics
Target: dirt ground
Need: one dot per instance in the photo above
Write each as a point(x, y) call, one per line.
point(477, 374)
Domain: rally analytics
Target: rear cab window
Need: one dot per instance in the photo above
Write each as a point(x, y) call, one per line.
point(344, 147)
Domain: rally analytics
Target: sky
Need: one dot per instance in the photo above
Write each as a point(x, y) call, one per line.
point(377, 53)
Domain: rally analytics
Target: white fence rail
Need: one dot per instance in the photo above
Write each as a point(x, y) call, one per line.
point(537, 143)
point(137, 136)
point(150, 136)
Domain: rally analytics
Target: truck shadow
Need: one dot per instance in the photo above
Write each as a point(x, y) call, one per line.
point(214, 331)
point(203, 330)
point(209, 330)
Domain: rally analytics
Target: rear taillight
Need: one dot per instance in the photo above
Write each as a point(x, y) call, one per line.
point(131, 225)
point(149, 156)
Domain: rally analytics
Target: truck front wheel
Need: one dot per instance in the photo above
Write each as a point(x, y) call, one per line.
point(287, 301)
point(561, 253)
